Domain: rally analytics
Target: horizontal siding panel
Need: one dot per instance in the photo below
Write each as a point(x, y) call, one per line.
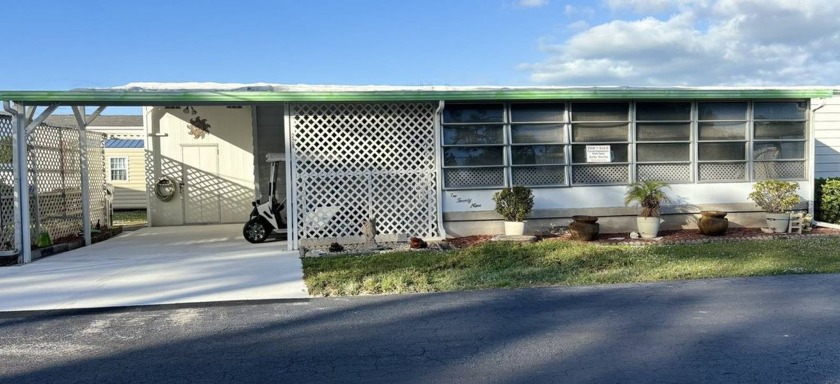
point(823, 150)
point(827, 159)
point(831, 106)
point(828, 133)
point(826, 122)
point(129, 199)
point(823, 175)
point(827, 142)
point(130, 194)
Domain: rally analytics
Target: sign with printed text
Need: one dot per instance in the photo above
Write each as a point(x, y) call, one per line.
point(597, 153)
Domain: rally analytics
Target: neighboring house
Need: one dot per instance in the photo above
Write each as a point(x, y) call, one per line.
point(425, 161)
point(124, 156)
point(125, 171)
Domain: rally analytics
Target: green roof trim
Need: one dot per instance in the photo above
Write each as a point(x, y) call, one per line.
point(141, 98)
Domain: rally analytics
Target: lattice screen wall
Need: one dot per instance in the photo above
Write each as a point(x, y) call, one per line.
point(54, 162)
point(354, 161)
point(55, 173)
point(7, 182)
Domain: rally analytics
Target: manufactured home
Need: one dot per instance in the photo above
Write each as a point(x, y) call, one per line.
point(124, 156)
point(425, 161)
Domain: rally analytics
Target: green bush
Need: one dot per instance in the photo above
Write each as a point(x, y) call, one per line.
point(514, 204)
point(827, 200)
point(775, 196)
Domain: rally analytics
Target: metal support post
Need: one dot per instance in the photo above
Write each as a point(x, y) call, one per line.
point(23, 236)
point(79, 112)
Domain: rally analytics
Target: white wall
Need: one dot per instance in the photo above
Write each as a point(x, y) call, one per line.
point(230, 186)
point(606, 196)
point(826, 122)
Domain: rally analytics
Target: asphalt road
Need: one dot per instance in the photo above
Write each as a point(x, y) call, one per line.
point(773, 329)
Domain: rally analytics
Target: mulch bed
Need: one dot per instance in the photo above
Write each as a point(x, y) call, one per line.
point(6, 261)
point(680, 236)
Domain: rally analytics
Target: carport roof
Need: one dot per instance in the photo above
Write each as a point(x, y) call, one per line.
point(142, 94)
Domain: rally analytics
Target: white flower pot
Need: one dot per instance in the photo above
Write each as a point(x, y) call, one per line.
point(514, 228)
point(648, 226)
point(779, 222)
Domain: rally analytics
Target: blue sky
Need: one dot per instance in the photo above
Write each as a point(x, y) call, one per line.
point(61, 45)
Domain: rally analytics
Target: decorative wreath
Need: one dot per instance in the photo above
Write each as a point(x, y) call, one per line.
point(165, 188)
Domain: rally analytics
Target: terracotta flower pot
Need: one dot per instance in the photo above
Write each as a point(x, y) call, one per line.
point(584, 228)
point(713, 223)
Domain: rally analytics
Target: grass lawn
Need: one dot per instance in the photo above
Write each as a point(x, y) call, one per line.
point(557, 262)
point(133, 217)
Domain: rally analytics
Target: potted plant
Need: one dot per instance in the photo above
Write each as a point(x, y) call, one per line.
point(649, 194)
point(514, 204)
point(776, 198)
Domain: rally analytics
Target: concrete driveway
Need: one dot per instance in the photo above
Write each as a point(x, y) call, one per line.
point(160, 265)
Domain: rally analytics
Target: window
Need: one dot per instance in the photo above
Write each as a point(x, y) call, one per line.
point(494, 145)
point(544, 144)
point(474, 145)
point(663, 141)
point(722, 141)
point(600, 141)
point(779, 140)
point(538, 138)
point(119, 168)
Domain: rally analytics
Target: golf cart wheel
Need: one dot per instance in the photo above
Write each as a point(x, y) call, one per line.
point(256, 230)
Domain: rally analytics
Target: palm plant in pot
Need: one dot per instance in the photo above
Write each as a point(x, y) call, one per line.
point(649, 194)
point(514, 204)
point(776, 198)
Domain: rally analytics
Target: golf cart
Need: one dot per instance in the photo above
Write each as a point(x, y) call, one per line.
point(269, 217)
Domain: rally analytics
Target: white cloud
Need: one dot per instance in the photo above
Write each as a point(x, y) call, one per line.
point(531, 3)
point(702, 42)
point(643, 6)
point(574, 11)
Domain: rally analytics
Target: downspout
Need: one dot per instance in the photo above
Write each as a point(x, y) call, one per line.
point(291, 178)
point(23, 238)
point(439, 167)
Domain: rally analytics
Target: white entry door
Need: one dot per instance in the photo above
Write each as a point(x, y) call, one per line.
point(202, 200)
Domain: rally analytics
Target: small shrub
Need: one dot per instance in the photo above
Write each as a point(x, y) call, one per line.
point(775, 196)
point(514, 204)
point(828, 200)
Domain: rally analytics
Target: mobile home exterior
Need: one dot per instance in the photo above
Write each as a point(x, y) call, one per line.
point(425, 161)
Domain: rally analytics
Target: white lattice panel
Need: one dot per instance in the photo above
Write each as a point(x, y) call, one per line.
point(96, 177)
point(722, 171)
point(664, 172)
point(473, 177)
point(539, 175)
point(599, 174)
point(778, 170)
point(54, 166)
point(354, 161)
point(7, 180)
point(54, 161)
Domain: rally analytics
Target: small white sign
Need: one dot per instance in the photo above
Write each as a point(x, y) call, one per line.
point(598, 154)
